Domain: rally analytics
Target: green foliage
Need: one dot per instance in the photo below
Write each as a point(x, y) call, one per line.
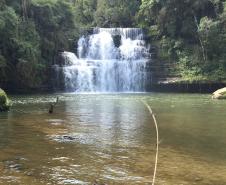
point(3, 69)
point(55, 25)
point(190, 33)
point(84, 12)
point(148, 13)
point(116, 13)
point(30, 41)
point(189, 66)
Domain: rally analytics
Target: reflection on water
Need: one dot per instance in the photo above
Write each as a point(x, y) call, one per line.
point(93, 138)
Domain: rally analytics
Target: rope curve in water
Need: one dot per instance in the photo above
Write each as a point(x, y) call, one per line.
point(157, 140)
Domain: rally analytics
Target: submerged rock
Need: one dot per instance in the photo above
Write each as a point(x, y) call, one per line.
point(64, 138)
point(12, 165)
point(4, 101)
point(220, 94)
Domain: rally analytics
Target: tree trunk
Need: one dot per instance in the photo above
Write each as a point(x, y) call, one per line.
point(200, 40)
point(24, 5)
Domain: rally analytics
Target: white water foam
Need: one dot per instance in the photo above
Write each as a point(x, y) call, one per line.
point(101, 66)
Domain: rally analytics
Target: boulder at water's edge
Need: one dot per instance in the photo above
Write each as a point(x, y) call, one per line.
point(220, 94)
point(4, 101)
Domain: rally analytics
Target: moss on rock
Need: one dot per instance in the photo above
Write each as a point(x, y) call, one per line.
point(4, 101)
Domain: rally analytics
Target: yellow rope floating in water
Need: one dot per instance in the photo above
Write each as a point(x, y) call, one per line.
point(157, 140)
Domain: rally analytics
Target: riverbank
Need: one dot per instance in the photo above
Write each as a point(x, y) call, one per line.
point(186, 87)
point(175, 87)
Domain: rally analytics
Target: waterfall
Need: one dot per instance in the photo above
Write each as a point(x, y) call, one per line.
point(109, 60)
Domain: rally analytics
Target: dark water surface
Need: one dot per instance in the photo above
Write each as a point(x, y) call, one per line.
point(110, 138)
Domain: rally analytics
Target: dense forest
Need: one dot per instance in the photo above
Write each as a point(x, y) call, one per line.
point(190, 34)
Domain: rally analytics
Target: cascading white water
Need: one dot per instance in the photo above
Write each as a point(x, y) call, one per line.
point(109, 60)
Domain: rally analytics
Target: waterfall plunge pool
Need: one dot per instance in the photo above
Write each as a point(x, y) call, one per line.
point(110, 138)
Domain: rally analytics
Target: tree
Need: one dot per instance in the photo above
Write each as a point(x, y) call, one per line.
point(31, 38)
point(55, 24)
point(116, 13)
point(189, 32)
point(84, 12)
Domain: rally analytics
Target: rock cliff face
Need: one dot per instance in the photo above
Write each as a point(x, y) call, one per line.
point(4, 101)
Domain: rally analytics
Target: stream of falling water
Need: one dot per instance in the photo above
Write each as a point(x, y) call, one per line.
point(109, 60)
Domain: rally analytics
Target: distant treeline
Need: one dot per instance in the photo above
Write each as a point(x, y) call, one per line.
point(191, 34)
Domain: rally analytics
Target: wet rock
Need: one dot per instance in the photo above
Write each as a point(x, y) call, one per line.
point(70, 138)
point(73, 138)
point(65, 58)
point(11, 165)
point(220, 94)
point(16, 167)
point(64, 138)
point(117, 40)
point(15, 164)
point(4, 101)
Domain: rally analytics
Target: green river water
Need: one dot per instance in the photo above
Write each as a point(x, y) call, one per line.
point(111, 139)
